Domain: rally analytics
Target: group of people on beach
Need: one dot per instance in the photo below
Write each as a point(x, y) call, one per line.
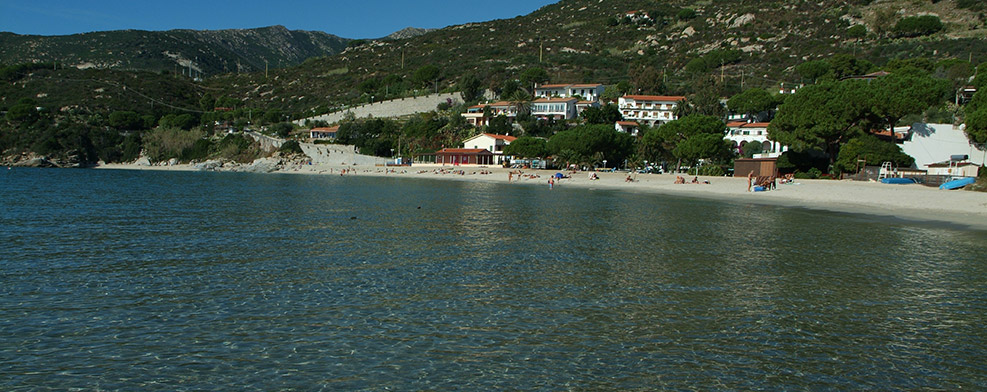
point(761, 183)
point(695, 180)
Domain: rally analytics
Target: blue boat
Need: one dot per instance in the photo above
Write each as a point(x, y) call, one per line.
point(896, 180)
point(958, 183)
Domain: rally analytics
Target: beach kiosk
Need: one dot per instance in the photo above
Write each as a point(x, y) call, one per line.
point(762, 167)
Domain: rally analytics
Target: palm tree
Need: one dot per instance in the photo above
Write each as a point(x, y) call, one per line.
point(521, 101)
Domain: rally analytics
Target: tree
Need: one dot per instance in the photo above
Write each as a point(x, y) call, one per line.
point(907, 91)
point(686, 14)
point(508, 88)
point(500, 125)
point(521, 102)
point(282, 129)
point(975, 114)
point(917, 26)
point(813, 70)
point(844, 65)
point(533, 75)
point(871, 149)
point(471, 87)
point(706, 102)
point(126, 120)
point(22, 113)
point(527, 147)
point(856, 32)
point(607, 114)
point(695, 137)
point(589, 143)
point(647, 80)
point(615, 91)
point(751, 102)
point(822, 117)
point(425, 76)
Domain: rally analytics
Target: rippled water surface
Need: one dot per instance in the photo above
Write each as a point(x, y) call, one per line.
point(201, 281)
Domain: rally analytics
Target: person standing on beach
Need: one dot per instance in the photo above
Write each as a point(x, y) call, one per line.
point(750, 180)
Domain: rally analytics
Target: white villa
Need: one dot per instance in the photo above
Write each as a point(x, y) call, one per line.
point(557, 108)
point(490, 142)
point(587, 92)
point(741, 133)
point(648, 109)
point(476, 116)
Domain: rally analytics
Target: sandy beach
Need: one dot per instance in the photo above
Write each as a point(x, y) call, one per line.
point(907, 202)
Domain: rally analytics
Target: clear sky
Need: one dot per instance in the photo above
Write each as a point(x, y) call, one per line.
point(345, 18)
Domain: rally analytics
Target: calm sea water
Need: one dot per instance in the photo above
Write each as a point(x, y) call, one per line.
point(200, 281)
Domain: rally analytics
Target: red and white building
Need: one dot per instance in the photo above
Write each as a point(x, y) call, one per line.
point(651, 110)
point(490, 142)
point(323, 133)
point(464, 156)
point(631, 127)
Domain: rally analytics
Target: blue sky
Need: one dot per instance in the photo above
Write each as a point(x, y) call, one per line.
point(345, 18)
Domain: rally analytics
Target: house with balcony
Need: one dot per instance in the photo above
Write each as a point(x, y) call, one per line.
point(741, 133)
point(490, 142)
point(590, 92)
point(652, 110)
point(480, 115)
point(555, 108)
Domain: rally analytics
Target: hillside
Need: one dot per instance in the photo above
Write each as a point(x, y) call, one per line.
point(207, 53)
point(740, 43)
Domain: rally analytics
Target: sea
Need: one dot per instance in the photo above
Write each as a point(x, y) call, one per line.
point(178, 281)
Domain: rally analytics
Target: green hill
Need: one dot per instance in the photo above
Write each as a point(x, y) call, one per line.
point(206, 53)
point(742, 43)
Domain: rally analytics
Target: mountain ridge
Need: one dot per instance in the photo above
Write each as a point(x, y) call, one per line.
point(199, 52)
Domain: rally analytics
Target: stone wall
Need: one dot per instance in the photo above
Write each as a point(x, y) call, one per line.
point(339, 155)
point(393, 108)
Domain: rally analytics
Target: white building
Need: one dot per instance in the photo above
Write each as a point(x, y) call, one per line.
point(480, 115)
point(648, 109)
point(323, 132)
point(630, 127)
point(587, 92)
point(741, 133)
point(932, 143)
point(490, 142)
point(557, 108)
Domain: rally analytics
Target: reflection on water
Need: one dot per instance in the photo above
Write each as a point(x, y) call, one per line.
point(163, 281)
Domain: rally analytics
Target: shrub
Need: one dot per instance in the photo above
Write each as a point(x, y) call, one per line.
point(917, 26)
point(856, 31)
point(165, 143)
point(686, 14)
point(712, 171)
point(291, 146)
point(813, 173)
point(199, 150)
point(281, 130)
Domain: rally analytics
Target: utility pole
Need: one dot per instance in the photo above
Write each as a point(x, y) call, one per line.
point(541, 51)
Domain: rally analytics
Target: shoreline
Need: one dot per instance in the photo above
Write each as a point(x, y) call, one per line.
point(912, 203)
